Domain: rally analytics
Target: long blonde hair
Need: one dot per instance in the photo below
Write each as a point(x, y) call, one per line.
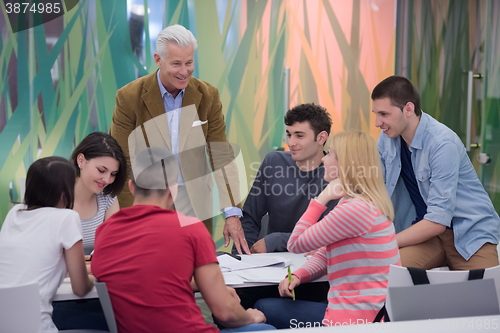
point(360, 170)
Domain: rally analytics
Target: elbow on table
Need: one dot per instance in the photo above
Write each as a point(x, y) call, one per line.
point(81, 290)
point(292, 247)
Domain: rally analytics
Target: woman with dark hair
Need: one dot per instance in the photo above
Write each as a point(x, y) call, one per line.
point(40, 240)
point(101, 172)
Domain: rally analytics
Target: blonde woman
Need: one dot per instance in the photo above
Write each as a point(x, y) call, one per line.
point(356, 241)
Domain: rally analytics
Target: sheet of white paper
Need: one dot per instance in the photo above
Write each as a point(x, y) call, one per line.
point(255, 260)
point(263, 274)
point(250, 261)
point(228, 263)
point(232, 278)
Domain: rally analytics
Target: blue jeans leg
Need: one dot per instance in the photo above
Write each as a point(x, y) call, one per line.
point(250, 328)
point(287, 313)
point(79, 314)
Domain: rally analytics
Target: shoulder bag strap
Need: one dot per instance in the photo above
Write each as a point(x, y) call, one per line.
point(418, 275)
point(476, 274)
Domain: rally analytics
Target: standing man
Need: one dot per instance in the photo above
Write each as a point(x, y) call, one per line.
point(176, 111)
point(426, 166)
point(287, 181)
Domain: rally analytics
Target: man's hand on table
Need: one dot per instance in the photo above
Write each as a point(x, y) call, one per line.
point(233, 229)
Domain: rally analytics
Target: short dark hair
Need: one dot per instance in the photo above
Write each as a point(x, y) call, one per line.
point(317, 116)
point(154, 170)
point(400, 91)
point(99, 144)
point(50, 180)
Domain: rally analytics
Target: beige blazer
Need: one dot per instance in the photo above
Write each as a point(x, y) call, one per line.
point(203, 145)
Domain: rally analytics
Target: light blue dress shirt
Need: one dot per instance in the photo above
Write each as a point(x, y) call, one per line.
point(447, 182)
point(173, 107)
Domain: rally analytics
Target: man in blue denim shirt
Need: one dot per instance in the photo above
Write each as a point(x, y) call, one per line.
point(443, 214)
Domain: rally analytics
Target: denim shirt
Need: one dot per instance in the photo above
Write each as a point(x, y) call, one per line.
point(447, 182)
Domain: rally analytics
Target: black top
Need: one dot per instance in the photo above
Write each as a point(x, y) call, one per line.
point(411, 182)
point(282, 191)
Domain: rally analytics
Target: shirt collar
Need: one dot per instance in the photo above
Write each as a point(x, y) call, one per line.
point(164, 91)
point(420, 132)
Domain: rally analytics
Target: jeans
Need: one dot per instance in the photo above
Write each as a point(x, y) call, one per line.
point(79, 314)
point(315, 292)
point(250, 328)
point(286, 313)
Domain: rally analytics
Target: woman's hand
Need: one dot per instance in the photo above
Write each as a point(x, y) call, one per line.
point(334, 190)
point(285, 287)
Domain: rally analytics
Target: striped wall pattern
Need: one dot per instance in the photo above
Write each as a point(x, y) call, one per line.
point(447, 39)
point(58, 81)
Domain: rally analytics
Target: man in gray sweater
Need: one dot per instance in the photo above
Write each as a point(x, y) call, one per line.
point(287, 181)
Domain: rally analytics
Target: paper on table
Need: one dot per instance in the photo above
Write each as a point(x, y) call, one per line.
point(256, 260)
point(250, 261)
point(263, 274)
point(232, 278)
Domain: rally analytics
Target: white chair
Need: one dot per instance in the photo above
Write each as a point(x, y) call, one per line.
point(20, 309)
point(400, 277)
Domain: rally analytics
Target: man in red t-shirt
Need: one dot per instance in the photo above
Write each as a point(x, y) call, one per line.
point(148, 255)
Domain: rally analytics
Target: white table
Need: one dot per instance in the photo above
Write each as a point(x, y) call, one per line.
point(64, 293)
point(296, 259)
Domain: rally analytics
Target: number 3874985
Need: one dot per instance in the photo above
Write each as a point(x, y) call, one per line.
point(28, 7)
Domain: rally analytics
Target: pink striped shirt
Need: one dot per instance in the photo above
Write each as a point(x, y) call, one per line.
point(357, 244)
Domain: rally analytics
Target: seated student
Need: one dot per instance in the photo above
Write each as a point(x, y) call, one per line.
point(285, 183)
point(101, 172)
point(357, 241)
point(426, 167)
point(41, 240)
point(148, 254)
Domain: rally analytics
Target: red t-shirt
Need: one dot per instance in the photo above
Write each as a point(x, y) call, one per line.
point(146, 255)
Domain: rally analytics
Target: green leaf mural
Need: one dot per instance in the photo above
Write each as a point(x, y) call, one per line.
point(448, 39)
point(58, 81)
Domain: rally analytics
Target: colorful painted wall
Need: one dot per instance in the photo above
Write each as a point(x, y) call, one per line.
point(58, 80)
point(446, 39)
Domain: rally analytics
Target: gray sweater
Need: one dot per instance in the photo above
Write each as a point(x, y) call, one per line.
point(283, 191)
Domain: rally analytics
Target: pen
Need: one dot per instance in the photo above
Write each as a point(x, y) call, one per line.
point(290, 279)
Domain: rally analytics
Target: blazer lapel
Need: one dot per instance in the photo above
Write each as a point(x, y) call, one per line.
point(189, 114)
point(154, 105)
